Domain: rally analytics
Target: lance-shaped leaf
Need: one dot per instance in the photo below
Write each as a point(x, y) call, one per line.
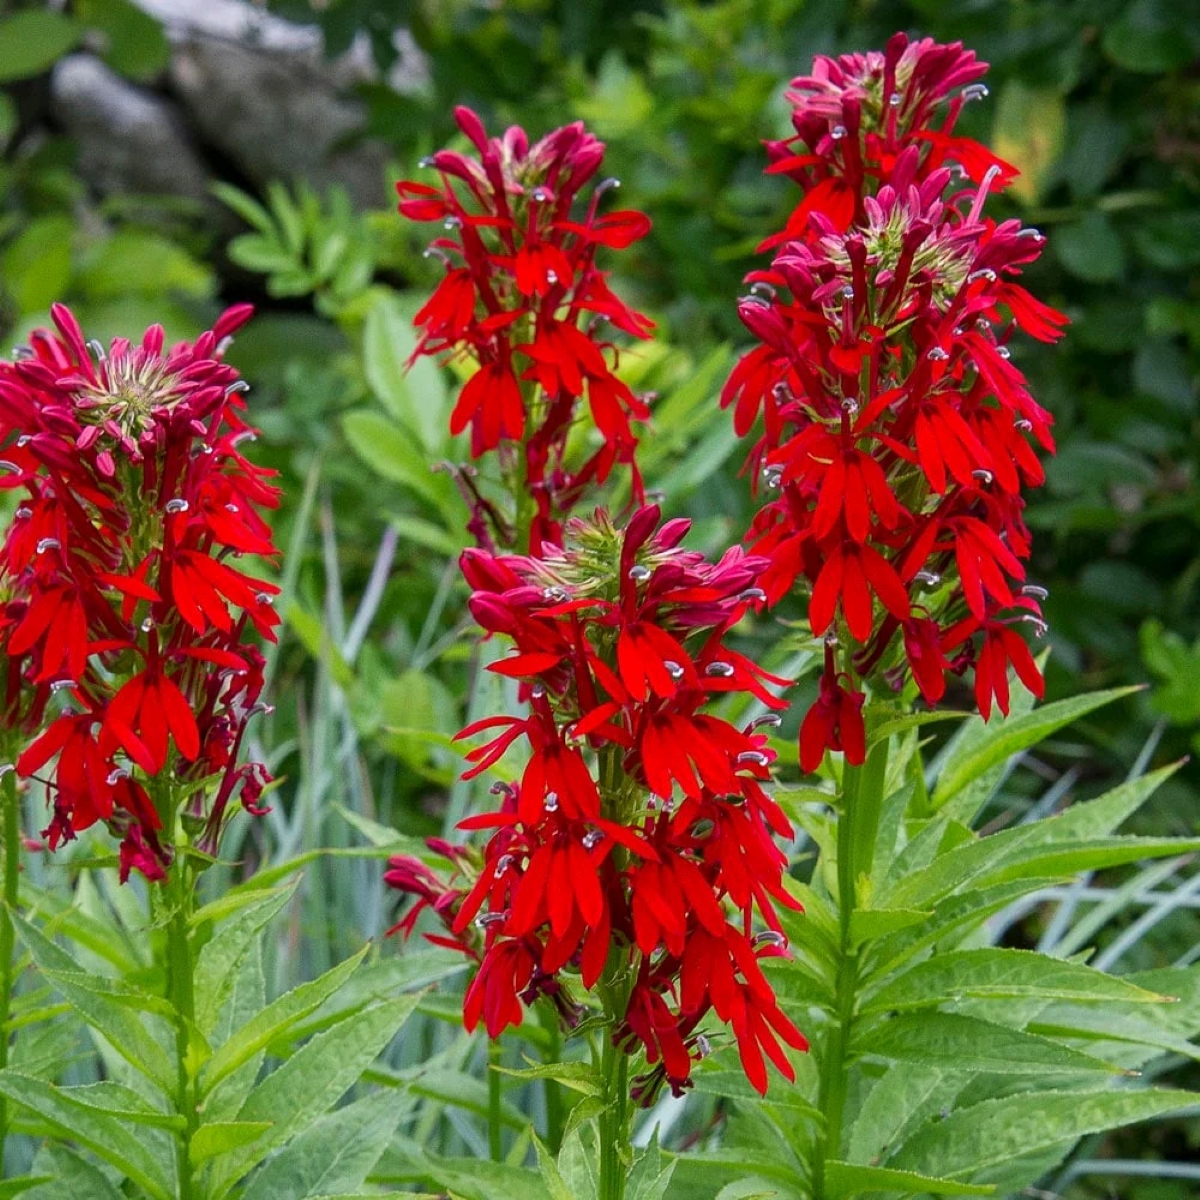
point(331, 1156)
point(844, 1179)
point(955, 1042)
point(974, 1140)
point(275, 1021)
point(110, 1008)
point(1001, 974)
point(106, 1136)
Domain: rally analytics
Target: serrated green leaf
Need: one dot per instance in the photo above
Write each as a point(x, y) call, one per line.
point(578, 1076)
point(220, 959)
point(214, 1138)
point(105, 1136)
point(852, 1179)
point(1002, 974)
point(311, 1081)
point(556, 1186)
point(334, 1154)
point(275, 1021)
point(73, 1176)
point(107, 1007)
point(650, 1176)
point(953, 1042)
point(1003, 739)
point(247, 998)
point(973, 1140)
point(578, 1163)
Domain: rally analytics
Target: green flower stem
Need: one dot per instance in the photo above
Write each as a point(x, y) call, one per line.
point(181, 994)
point(495, 1148)
point(12, 880)
point(858, 828)
point(614, 1120)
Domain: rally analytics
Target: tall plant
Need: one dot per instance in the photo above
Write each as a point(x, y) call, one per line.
point(633, 858)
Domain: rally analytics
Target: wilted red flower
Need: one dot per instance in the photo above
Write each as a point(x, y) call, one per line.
point(523, 299)
point(119, 599)
point(896, 430)
point(640, 821)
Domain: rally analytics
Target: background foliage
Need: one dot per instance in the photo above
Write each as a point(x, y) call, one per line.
point(1098, 101)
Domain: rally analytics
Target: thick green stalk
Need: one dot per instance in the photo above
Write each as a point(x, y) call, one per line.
point(614, 1120)
point(495, 1147)
point(858, 827)
point(181, 994)
point(12, 879)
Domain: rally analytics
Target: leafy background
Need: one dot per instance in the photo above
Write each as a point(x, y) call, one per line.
point(1098, 102)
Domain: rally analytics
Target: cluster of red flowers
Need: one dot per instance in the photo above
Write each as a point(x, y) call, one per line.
point(520, 278)
point(619, 643)
point(896, 429)
point(124, 626)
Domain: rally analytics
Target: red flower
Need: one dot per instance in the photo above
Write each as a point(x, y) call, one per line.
point(620, 645)
point(118, 589)
point(520, 275)
point(835, 722)
point(896, 428)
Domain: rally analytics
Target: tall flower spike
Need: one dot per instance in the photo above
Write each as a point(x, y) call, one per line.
point(640, 831)
point(126, 628)
point(897, 433)
point(524, 302)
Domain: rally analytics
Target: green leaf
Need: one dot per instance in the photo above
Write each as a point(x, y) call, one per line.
point(867, 924)
point(1002, 974)
point(219, 1137)
point(33, 40)
point(246, 207)
point(954, 1042)
point(556, 1186)
point(388, 450)
point(1003, 739)
point(134, 43)
point(414, 395)
point(973, 1140)
point(106, 1136)
point(851, 1179)
point(649, 1178)
point(73, 1176)
point(311, 1081)
point(275, 1020)
point(1145, 40)
point(21, 1183)
point(247, 997)
point(135, 261)
point(1030, 129)
point(334, 1154)
point(578, 1162)
point(221, 958)
point(578, 1076)
point(1091, 249)
point(107, 1007)
point(37, 263)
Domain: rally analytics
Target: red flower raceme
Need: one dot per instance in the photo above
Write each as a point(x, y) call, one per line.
point(126, 625)
point(641, 823)
point(524, 301)
point(897, 433)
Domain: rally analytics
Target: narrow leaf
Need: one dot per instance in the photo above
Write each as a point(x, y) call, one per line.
point(1002, 974)
point(851, 1179)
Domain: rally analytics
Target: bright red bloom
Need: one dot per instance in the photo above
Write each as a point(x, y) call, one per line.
point(133, 492)
point(523, 298)
point(896, 429)
point(619, 641)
